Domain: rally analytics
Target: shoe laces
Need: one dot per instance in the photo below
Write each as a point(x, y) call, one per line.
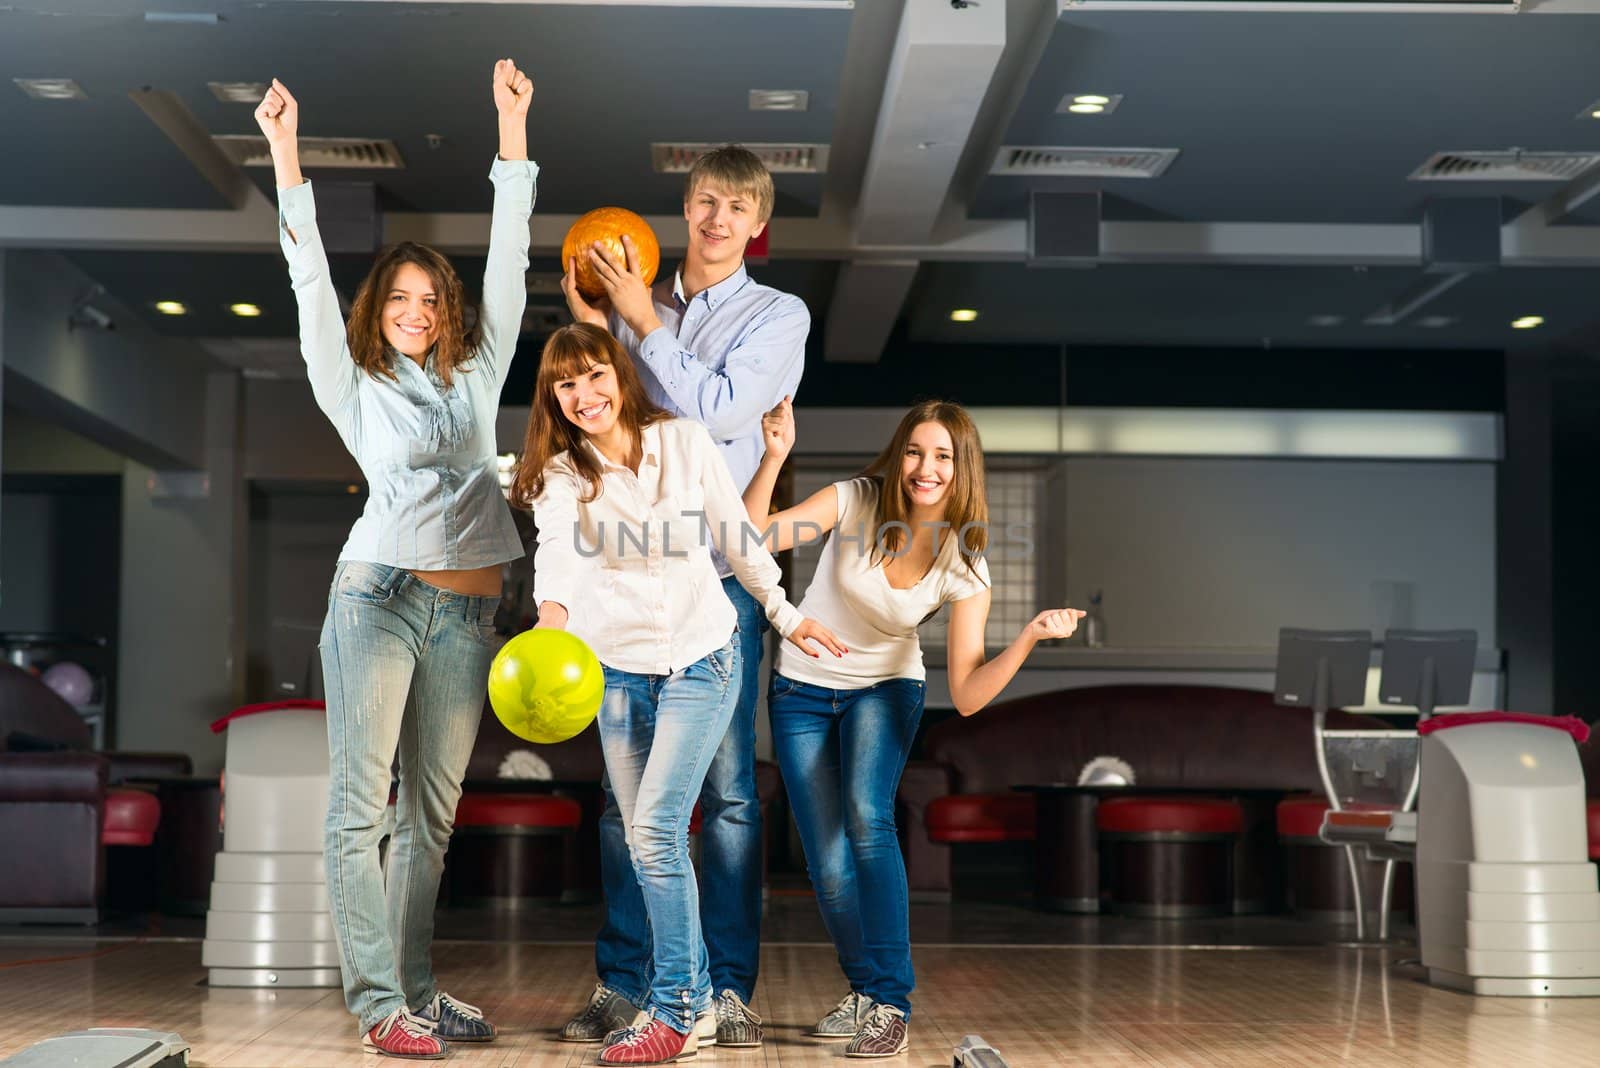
point(732, 1009)
point(415, 1026)
point(632, 1036)
point(460, 1008)
point(592, 1010)
point(850, 1005)
point(878, 1020)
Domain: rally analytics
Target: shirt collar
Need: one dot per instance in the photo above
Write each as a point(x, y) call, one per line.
point(716, 294)
point(649, 448)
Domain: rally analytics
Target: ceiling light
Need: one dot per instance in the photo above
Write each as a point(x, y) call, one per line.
point(238, 92)
point(245, 311)
point(1092, 103)
point(1590, 112)
point(964, 315)
point(171, 307)
point(1527, 322)
point(51, 88)
point(779, 100)
point(352, 489)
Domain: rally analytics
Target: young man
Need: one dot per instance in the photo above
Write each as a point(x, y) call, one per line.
point(714, 345)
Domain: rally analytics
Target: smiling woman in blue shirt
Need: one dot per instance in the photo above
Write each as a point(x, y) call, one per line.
point(409, 632)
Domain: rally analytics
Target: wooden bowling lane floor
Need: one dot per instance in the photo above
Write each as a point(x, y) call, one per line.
point(1110, 1007)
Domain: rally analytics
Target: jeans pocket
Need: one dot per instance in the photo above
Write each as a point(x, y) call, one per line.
point(782, 686)
point(721, 662)
point(363, 583)
point(480, 620)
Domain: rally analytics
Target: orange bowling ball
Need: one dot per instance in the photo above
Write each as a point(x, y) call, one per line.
point(607, 225)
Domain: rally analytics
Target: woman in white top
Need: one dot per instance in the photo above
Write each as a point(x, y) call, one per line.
point(625, 497)
point(908, 536)
point(410, 627)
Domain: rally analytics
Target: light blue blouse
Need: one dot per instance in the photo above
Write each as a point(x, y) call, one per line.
point(427, 451)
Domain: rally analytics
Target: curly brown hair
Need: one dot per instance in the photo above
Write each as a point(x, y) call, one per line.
point(571, 351)
point(457, 343)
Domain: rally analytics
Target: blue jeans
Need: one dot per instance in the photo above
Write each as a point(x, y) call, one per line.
point(842, 753)
point(659, 734)
point(405, 665)
point(730, 850)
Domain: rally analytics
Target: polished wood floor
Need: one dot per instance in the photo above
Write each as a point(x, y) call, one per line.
point(1108, 1005)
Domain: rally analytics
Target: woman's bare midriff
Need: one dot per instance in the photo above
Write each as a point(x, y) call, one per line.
point(477, 582)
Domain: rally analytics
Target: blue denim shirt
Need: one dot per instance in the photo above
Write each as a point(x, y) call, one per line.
point(723, 359)
point(427, 451)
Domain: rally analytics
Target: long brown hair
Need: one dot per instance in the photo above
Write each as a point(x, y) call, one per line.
point(966, 503)
point(456, 344)
point(572, 351)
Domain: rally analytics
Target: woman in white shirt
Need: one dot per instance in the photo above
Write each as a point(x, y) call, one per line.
point(409, 633)
point(625, 497)
point(908, 536)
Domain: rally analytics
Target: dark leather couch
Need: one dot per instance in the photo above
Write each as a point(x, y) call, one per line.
point(1206, 736)
point(53, 796)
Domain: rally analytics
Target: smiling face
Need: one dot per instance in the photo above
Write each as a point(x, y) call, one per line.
point(410, 314)
point(721, 223)
point(928, 465)
point(591, 400)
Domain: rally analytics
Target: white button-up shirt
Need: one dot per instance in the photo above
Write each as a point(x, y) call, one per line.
point(633, 567)
point(426, 451)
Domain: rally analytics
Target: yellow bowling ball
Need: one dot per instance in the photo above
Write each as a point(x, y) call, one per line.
point(546, 685)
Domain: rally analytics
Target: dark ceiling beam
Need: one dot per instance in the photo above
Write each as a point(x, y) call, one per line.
point(173, 118)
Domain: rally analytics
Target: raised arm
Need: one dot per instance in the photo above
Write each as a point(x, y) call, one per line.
point(332, 373)
point(807, 521)
point(505, 289)
point(975, 681)
point(752, 564)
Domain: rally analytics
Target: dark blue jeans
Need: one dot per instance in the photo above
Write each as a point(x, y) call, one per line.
point(842, 753)
point(730, 850)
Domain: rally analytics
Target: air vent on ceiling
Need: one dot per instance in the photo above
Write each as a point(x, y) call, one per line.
point(1029, 160)
point(1512, 166)
point(250, 150)
point(677, 158)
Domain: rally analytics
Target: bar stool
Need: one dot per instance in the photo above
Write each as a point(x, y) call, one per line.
point(1169, 857)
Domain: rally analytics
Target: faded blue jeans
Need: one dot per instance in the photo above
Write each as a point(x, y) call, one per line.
point(659, 734)
point(405, 666)
point(730, 849)
point(842, 753)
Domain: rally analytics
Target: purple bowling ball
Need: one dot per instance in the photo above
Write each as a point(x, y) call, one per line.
point(70, 681)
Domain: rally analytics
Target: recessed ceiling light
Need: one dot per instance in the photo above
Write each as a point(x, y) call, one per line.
point(352, 488)
point(245, 311)
point(1527, 322)
point(1590, 112)
point(1089, 103)
point(171, 307)
point(779, 100)
point(964, 315)
point(51, 88)
point(1325, 320)
point(238, 92)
